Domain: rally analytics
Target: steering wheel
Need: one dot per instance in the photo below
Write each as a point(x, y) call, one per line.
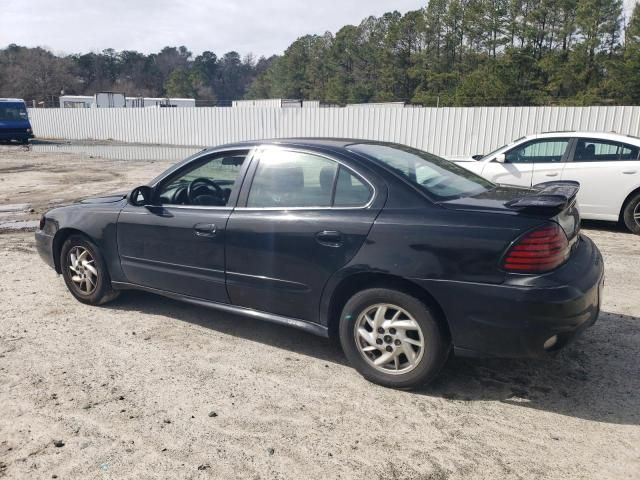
point(179, 195)
point(206, 182)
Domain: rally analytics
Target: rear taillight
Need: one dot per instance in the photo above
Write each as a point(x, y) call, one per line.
point(538, 251)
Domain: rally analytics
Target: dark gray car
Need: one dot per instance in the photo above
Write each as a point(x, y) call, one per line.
point(402, 255)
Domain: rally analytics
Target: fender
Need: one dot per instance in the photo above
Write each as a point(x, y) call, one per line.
point(96, 220)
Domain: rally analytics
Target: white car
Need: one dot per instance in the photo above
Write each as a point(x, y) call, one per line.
point(607, 165)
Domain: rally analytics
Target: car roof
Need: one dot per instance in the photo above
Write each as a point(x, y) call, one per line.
point(310, 142)
point(618, 137)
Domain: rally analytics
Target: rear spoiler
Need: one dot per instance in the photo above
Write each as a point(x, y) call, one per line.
point(548, 196)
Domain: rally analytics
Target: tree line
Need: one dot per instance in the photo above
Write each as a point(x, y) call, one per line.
point(452, 52)
point(469, 52)
point(37, 74)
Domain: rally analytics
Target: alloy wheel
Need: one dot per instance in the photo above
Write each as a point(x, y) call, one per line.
point(389, 338)
point(82, 270)
point(636, 214)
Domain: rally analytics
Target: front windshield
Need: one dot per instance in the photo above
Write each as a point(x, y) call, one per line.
point(12, 111)
point(439, 178)
point(500, 148)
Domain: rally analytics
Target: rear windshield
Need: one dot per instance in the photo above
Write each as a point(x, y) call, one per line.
point(437, 177)
point(12, 111)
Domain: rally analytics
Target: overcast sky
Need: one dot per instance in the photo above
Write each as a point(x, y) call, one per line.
point(263, 27)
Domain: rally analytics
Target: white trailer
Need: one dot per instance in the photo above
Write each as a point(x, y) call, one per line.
point(110, 100)
point(377, 105)
point(276, 103)
point(263, 103)
point(76, 101)
point(119, 100)
point(146, 102)
point(99, 100)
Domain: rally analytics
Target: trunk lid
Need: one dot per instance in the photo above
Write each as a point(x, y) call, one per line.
point(555, 201)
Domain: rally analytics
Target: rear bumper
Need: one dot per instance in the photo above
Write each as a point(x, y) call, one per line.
point(516, 318)
point(44, 246)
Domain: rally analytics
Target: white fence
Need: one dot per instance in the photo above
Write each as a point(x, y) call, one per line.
point(450, 132)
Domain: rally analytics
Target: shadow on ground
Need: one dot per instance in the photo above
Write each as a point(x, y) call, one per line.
point(279, 336)
point(604, 226)
point(595, 378)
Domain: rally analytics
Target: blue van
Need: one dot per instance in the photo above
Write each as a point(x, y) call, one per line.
point(14, 121)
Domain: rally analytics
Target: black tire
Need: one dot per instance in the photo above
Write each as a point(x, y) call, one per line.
point(630, 209)
point(101, 291)
point(436, 344)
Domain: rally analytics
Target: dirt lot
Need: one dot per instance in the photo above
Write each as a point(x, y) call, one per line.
point(147, 387)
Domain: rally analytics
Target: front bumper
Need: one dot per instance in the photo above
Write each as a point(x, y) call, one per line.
point(516, 318)
point(15, 134)
point(44, 246)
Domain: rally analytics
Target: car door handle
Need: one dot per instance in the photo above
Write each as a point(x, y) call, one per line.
point(204, 229)
point(629, 172)
point(329, 238)
point(553, 174)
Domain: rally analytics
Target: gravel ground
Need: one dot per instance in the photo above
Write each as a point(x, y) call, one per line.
point(147, 387)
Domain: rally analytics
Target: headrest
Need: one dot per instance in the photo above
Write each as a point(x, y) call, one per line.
point(590, 150)
point(284, 179)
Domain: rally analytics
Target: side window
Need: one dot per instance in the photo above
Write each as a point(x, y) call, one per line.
point(350, 190)
point(208, 182)
point(538, 151)
point(588, 150)
point(292, 179)
point(627, 152)
point(286, 179)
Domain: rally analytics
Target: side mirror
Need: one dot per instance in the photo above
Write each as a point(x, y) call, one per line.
point(477, 156)
point(141, 196)
point(501, 158)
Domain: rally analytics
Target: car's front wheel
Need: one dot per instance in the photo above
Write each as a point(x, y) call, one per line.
point(631, 214)
point(85, 272)
point(392, 339)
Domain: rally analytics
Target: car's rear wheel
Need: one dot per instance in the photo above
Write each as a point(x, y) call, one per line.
point(85, 272)
point(392, 339)
point(631, 214)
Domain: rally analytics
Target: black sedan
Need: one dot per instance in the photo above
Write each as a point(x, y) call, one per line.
point(402, 255)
